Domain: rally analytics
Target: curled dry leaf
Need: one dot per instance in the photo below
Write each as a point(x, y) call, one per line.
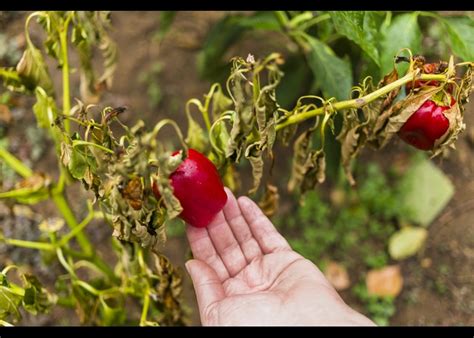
point(337, 275)
point(357, 130)
point(385, 282)
point(270, 200)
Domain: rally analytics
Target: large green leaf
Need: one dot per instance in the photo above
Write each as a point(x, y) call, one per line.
point(402, 32)
point(461, 36)
point(360, 27)
point(406, 242)
point(332, 74)
point(427, 191)
point(296, 82)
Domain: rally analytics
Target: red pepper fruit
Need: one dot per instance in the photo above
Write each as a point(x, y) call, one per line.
point(198, 187)
point(426, 125)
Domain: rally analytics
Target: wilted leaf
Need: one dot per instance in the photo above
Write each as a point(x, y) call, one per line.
point(89, 31)
point(360, 27)
point(350, 139)
point(45, 109)
point(337, 275)
point(301, 149)
point(33, 70)
point(385, 282)
point(197, 138)
point(133, 192)
point(331, 73)
point(316, 170)
point(254, 155)
point(36, 299)
point(167, 165)
point(270, 200)
point(427, 190)
point(406, 242)
point(399, 113)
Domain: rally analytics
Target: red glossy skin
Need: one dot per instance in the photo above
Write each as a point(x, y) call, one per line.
point(425, 126)
point(198, 187)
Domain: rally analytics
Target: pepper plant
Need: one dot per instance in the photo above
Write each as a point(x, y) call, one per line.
point(128, 170)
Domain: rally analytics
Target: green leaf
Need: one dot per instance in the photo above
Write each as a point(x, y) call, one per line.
point(402, 32)
point(406, 242)
point(78, 164)
point(296, 81)
point(196, 138)
point(44, 109)
point(360, 27)
point(332, 74)
point(9, 302)
point(461, 35)
point(427, 191)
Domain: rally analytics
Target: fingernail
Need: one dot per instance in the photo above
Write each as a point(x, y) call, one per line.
point(188, 266)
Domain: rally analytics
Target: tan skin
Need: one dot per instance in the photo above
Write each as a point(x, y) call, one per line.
point(245, 273)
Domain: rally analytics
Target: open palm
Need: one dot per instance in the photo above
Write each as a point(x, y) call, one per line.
point(245, 273)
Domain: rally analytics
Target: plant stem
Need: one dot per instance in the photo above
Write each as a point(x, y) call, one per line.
point(320, 18)
point(15, 163)
point(66, 212)
point(359, 102)
point(65, 72)
point(146, 305)
point(29, 244)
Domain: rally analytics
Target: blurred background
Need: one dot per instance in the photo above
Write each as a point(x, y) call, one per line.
point(419, 276)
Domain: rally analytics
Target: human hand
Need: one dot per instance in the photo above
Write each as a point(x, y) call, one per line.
point(245, 273)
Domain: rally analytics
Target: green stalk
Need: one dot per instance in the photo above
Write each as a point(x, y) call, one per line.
point(66, 212)
point(65, 72)
point(15, 163)
point(29, 244)
point(359, 102)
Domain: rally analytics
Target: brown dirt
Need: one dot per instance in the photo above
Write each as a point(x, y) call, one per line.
point(441, 294)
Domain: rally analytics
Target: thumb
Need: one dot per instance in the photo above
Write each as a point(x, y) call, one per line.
point(207, 285)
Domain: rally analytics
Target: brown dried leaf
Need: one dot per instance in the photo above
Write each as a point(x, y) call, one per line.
point(316, 173)
point(254, 154)
point(385, 282)
point(133, 192)
point(270, 200)
point(301, 149)
point(400, 113)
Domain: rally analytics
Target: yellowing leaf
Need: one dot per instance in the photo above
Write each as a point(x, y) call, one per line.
point(406, 242)
point(385, 282)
